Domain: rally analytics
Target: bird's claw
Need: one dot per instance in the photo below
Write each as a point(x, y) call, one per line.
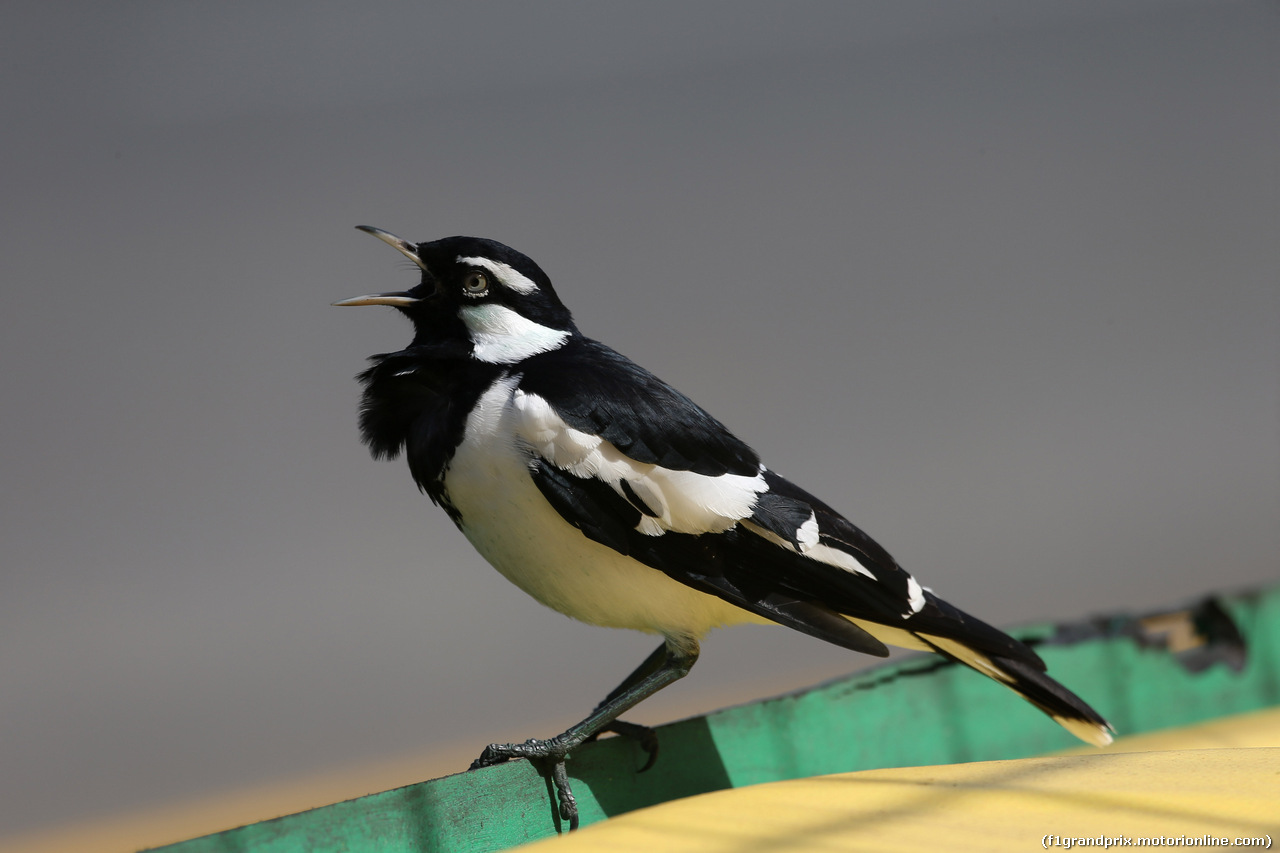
point(492, 755)
point(568, 805)
point(645, 737)
point(550, 752)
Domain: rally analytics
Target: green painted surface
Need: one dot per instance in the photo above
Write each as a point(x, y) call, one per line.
point(916, 712)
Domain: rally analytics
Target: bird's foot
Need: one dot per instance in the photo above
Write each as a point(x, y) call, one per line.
point(550, 753)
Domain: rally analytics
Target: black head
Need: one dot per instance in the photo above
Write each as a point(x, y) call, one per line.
point(480, 293)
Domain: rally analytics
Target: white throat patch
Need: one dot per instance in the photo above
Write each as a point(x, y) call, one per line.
point(501, 336)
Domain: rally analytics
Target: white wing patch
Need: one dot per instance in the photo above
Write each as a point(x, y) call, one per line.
point(806, 535)
point(839, 559)
point(678, 501)
point(915, 597)
point(506, 274)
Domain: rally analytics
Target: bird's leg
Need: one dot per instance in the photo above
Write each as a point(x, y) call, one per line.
point(646, 737)
point(670, 662)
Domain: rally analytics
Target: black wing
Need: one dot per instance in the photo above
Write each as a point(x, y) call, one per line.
point(637, 466)
point(603, 393)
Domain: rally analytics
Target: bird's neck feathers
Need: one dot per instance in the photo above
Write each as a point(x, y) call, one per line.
point(417, 400)
point(500, 335)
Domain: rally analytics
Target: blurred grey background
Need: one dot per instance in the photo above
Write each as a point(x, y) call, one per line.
point(999, 279)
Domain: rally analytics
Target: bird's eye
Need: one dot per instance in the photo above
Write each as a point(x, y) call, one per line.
point(475, 283)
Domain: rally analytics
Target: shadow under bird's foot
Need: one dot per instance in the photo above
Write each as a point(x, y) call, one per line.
point(645, 737)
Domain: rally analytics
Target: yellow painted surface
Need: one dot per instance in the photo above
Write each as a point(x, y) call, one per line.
point(1218, 779)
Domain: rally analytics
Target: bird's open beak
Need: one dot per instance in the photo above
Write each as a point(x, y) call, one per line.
point(397, 300)
point(404, 247)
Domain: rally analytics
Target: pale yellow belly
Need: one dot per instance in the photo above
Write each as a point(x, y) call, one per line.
point(510, 523)
point(526, 540)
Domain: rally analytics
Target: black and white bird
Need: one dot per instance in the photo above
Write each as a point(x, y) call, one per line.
point(608, 495)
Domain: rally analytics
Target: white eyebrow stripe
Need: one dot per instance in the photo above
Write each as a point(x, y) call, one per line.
point(506, 274)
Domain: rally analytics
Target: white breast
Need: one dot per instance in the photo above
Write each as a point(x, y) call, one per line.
point(510, 523)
